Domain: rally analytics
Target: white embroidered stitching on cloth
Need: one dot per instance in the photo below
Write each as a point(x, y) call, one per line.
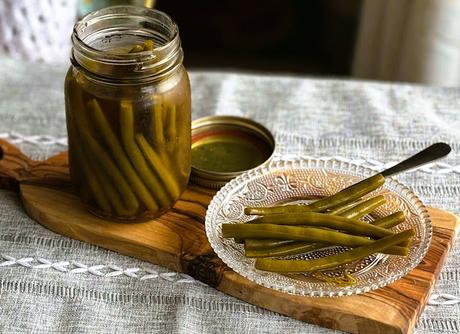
point(17, 138)
point(443, 299)
point(134, 297)
point(432, 168)
point(100, 270)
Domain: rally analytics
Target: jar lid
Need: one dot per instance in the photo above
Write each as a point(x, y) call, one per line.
point(224, 147)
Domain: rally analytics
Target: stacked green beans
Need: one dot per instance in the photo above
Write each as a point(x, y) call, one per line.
point(331, 221)
point(129, 152)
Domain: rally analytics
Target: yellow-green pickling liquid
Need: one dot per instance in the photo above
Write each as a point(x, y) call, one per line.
point(225, 154)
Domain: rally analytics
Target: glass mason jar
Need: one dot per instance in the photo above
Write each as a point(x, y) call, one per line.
point(128, 112)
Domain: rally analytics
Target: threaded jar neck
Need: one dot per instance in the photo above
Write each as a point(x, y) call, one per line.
point(102, 40)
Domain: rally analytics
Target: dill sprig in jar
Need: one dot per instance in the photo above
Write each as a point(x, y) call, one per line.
point(128, 112)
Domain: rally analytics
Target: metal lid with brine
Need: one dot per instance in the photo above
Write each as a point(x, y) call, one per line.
point(224, 147)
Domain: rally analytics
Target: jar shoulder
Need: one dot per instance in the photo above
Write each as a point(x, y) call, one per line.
point(175, 85)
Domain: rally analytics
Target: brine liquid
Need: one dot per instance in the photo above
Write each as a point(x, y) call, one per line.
point(129, 146)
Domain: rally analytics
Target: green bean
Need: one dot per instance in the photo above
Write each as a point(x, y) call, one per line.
point(183, 125)
point(342, 208)
point(349, 194)
point(327, 262)
point(300, 247)
point(390, 221)
point(77, 156)
point(254, 244)
point(157, 165)
point(291, 208)
point(118, 153)
point(157, 125)
point(344, 196)
point(135, 155)
point(171, 131)
point(164, 115)
point(97, 153)
point(300, 233)
point(360, 210)
point(265, 245)
point(296, 247)
point(363, 207)
point(148, 45)
point(354, 226)
point(290, 247)
point(87, 187)
point(112, 193)
point(136, 48)
point(283, 232)
point(93, 182)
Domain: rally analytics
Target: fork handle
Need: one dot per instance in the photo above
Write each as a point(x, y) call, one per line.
point(430, 154)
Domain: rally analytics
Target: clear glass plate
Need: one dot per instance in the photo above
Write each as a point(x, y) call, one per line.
point(288, 181)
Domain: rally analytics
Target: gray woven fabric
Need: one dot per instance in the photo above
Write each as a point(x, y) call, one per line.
point(49, 283)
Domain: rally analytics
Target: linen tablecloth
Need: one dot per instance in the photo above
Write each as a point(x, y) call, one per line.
point(50, 283)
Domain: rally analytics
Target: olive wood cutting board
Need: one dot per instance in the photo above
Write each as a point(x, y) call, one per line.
point(177, 240)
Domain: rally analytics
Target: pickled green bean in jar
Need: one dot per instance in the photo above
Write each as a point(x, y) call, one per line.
point(128, 112)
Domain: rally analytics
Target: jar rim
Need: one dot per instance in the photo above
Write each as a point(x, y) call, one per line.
point(165, 56)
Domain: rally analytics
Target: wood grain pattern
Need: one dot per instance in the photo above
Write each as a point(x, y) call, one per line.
point(16, 167)
point(177, 240)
